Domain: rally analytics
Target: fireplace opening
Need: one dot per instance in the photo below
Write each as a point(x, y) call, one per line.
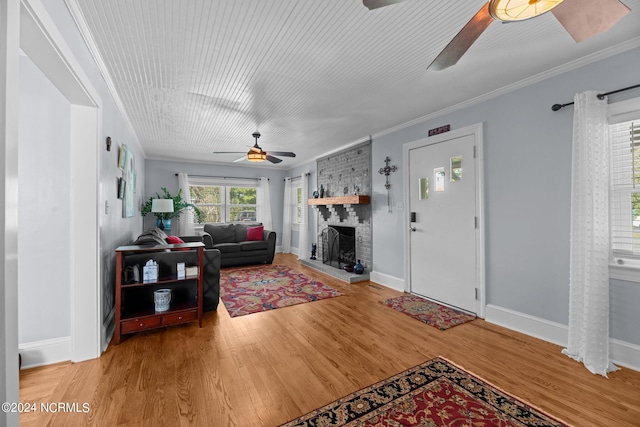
point(339, 246)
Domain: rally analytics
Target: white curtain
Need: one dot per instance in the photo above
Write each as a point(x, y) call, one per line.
point(263, 200)
point(304, 248)
point(186, 220)
point(589, 247)
point(286, 217)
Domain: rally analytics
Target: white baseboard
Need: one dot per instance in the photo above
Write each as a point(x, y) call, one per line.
point(621, 353)
point(625, 354)
point(536, 327)
point(387, 280)
point(45, 352)
point(108, 329)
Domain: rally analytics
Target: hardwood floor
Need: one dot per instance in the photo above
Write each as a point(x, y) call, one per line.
point(266, 368)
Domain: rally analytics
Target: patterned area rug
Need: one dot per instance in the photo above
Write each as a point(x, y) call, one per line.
point(249, 290)
point(436, 393)
point(429, 312)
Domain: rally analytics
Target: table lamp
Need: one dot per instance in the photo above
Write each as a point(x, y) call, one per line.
point(162, 206)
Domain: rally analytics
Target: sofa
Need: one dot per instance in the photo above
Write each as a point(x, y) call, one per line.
point(167, 261)
point(241, 243)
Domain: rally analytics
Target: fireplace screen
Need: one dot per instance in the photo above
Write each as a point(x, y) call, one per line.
point(339, 246)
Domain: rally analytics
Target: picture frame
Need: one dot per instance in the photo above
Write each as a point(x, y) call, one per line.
point(122, 157)
point(122, 185)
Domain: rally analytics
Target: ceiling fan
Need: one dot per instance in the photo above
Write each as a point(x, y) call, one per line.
point(581, 18)
point(257, 154)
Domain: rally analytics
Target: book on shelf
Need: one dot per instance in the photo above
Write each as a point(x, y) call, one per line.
point(191, 271)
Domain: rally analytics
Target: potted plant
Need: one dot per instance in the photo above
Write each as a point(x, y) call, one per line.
point(163, 219)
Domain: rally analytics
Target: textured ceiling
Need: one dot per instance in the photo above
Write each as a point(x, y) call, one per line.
point(198, 76)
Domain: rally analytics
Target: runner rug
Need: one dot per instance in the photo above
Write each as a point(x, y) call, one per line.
point(429, 312)
point(436, 393)
point(249, 290)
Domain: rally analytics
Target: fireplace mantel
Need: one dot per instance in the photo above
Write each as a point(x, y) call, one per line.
point(340, 200)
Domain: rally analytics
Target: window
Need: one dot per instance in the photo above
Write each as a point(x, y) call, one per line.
point(625, 188)
point(298, 204)
point(225, 202)
point(624, 133)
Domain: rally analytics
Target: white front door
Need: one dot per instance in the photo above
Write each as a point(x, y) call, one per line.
point(443, 231)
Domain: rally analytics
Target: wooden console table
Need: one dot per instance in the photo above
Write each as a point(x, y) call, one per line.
point(135, 307)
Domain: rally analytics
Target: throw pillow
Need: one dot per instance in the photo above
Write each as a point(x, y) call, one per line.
point(255, 233)
point(148, 238)
point(174, 240)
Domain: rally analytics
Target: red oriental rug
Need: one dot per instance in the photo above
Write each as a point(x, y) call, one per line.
point(436, 393)
point(249, 290)
point(429, 312)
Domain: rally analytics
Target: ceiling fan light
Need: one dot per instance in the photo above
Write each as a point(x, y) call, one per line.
point(254, 156)
point(519, 10)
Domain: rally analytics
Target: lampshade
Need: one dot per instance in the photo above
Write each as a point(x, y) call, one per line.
point(518, 10)
point(162, 205)
point(256, 156)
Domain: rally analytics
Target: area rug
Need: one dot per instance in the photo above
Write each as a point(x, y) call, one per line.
point(253, 289)
point(435, 393)
point(429, 312)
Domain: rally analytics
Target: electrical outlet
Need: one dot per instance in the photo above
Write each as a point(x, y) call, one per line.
point(106, 207)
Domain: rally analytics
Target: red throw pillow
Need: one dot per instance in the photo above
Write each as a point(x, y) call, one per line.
point(174, 239)
point(255, 233)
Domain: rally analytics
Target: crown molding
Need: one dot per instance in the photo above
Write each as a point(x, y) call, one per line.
point(569, 66)
point(81, 23)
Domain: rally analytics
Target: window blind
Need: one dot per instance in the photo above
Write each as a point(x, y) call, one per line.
point(625, 188)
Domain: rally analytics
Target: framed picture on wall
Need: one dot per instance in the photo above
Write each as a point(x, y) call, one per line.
point(122, 185)
point(122, 157)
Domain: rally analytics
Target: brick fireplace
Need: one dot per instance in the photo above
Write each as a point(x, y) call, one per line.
point(342, 174)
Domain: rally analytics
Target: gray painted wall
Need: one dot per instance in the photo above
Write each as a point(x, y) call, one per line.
point(527, 163)
point(161, 173)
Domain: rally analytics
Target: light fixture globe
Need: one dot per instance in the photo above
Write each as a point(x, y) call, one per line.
point(256, 156)
point(519, 10)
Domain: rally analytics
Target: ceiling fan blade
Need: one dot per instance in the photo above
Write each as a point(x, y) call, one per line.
point(586, 18)
point(240, 159)
point(273, 159)
point(281, 153)
point(375, 4)
point(463, 40)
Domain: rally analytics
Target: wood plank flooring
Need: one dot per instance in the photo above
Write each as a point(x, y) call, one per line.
point(266, 368)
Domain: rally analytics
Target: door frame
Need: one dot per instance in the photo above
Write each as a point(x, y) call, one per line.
point(477, 131)
point(43, 43)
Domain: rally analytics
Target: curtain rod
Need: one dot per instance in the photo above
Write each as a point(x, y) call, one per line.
point(223, 177)
point(556, 107)
point(297, 177)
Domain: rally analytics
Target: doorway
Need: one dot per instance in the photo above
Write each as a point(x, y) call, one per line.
point(444, 231)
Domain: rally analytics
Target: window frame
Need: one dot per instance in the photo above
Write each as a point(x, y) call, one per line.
point(225, 205)
point(624, 266)
point(296, 204)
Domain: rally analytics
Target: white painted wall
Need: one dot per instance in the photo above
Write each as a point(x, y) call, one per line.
point(92, 232)
point(114, 230)
point(9, 42)
point(44, 201)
